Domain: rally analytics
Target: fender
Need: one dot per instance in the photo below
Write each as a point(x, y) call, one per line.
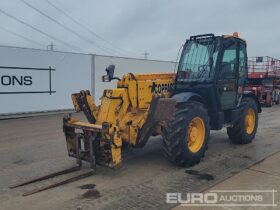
point(185, 97)
point(250, 94)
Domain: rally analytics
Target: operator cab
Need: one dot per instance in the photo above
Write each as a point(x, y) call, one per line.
point(214, 68)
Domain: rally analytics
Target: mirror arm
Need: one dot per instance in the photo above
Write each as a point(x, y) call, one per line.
point(116, 78)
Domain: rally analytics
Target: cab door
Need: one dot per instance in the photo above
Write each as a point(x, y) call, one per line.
point(227, 78)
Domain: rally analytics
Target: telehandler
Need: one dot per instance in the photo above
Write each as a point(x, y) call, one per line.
point(207, 93)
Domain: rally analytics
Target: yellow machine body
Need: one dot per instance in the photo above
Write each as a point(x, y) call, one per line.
point(128, 114)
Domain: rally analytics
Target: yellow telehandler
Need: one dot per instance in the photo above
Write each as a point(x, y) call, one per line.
point(207, 92)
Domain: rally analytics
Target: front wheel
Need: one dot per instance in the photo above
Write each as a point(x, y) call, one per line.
point(245, 128)
point(186, 134)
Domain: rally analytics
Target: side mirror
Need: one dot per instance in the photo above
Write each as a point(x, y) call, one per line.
point(109, 74)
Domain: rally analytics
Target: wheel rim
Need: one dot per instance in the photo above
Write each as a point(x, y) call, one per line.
point(195, 134)
point(250, 121)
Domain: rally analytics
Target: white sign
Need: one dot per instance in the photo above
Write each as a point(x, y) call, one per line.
point(21, 80)
point(27, 84)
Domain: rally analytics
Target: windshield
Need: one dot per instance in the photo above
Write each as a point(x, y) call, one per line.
point(198, 59)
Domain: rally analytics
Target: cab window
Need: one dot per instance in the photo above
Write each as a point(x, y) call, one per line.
point(229, 61)
point(242, 64)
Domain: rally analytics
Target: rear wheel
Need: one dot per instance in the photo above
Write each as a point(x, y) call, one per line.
point(185, 135)
point(245, 128)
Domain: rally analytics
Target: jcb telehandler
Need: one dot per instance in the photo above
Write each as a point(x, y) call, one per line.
point(206, 94)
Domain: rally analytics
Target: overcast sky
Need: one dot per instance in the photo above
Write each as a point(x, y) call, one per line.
point(131, 27)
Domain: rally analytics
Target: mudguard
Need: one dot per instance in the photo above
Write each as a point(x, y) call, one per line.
point(184, 97)
point(252, 95)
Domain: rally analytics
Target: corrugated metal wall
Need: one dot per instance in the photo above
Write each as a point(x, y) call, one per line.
point(71, 72)
point(37, 81)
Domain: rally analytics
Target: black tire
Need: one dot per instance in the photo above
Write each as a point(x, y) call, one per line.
point(175, 136)
point(238, 134)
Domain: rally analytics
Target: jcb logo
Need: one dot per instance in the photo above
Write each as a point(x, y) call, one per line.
point(162, 88)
